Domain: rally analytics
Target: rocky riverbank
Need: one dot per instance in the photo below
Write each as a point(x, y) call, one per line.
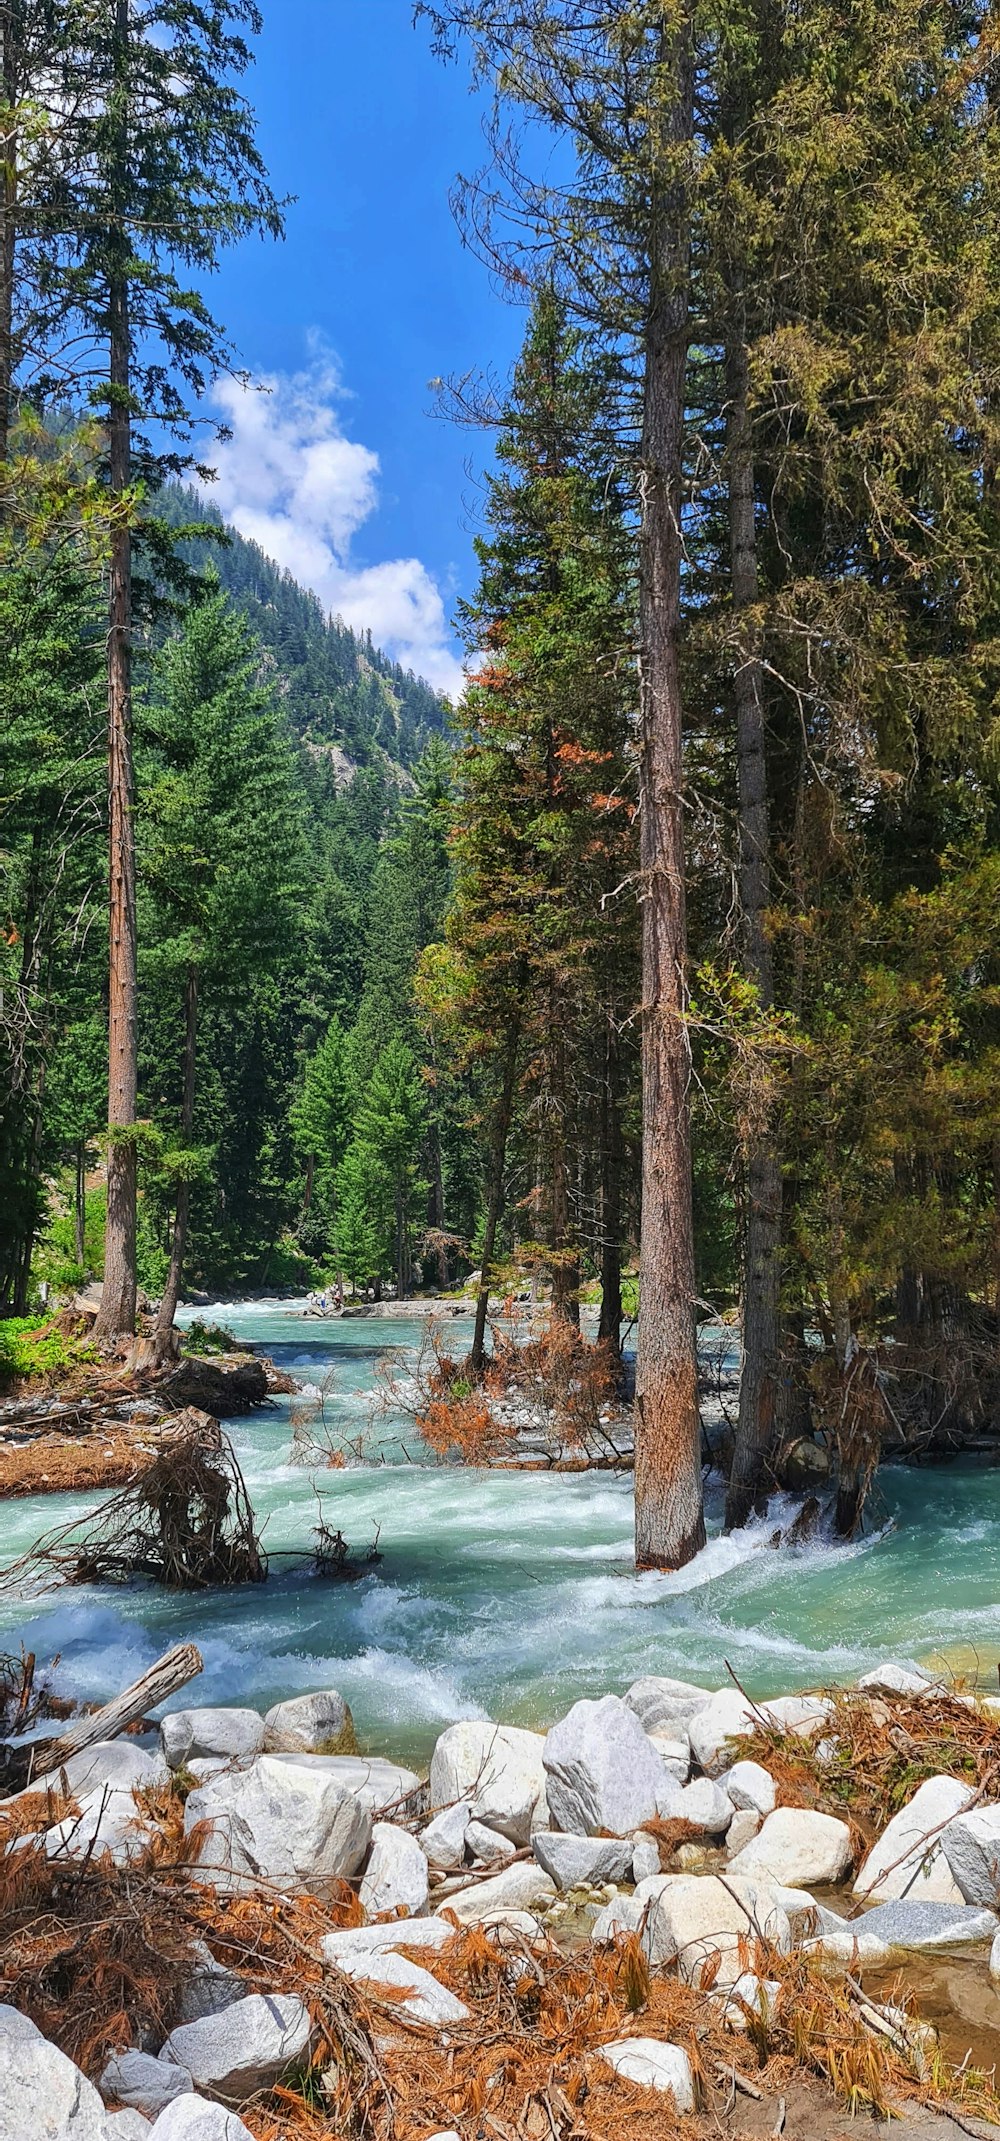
point(665, 1915)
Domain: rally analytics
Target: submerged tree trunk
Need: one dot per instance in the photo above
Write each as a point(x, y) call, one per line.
point(494, 1207)
point(182, 1208)
point(116, 1317)
point(669, 1520)
point(751, 1477)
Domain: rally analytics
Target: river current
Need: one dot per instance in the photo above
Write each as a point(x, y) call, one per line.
point(510, 1594)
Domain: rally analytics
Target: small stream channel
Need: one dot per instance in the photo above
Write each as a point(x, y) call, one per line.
point(511, 1594)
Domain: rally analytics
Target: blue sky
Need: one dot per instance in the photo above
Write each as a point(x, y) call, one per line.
point(342, 471)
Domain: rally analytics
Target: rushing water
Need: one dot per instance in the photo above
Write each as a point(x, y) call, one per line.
point(511, 1594)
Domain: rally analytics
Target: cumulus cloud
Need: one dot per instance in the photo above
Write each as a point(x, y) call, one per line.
point(289, 479)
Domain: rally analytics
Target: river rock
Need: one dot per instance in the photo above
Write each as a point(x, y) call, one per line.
point(971, 1845)
point(497, 1768)
point(894, 1678)
point(377, 1939)
point(704, 1804)
point(443, 1840)
point(675, 1755)
point(692, 1919)
point(425, 2000)
point(487, 1846)
point(210, 1989)
point(396, 1873)
point(645, 1857)
point(282, 1821)
point(995, 1959)
point(661, 1704)
point(108, 1822)
point(320, 1723)
point(621, 1916)
point(742, 1829)
point(798, 1846)
point(126, 2126)
point(117, 1763)
point(143, 2083)
point(190, 2118)
point(655, 2065)
point(43, 2096)
point(727, 1716)
point(235, 1734)
point(380, 1785)
point(517, 1888)
point(584, 1861)
point(750, 1787)
point(913, 1838)
point(899, 1929)
point(247, 2048)
point(602, 1771)
point(803, 1715)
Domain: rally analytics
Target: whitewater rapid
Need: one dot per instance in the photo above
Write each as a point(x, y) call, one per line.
point(511, 1594)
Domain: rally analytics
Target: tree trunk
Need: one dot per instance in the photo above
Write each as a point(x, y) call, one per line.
point(669, 1518)
point(80, 1203)
point(494, 1208)
point(565, 1267)
point(116, 1317)
point(182, 1208)
point(751, 1478)
point(610, 1327)
point(165, 1678)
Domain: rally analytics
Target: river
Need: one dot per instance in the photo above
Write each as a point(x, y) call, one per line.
point(511, 1594)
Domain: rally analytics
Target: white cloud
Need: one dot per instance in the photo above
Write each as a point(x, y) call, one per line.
point(290, 480)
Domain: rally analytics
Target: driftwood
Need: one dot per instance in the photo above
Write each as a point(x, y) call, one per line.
point(170, 1672)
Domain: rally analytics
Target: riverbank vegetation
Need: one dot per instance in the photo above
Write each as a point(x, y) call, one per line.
point(678, 945)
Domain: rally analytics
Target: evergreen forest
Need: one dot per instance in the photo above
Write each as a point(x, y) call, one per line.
point(660, 974)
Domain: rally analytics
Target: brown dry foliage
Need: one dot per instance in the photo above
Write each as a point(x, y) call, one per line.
point(886, 1746)
point(567, 1383)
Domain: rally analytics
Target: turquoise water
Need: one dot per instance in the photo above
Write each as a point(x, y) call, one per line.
point(511, 1594)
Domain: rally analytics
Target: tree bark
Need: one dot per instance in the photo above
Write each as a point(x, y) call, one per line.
point(166, 1677)
point(669, 1519)
point(182, 1207)
point(116, 1317)
point(80, 1203)
point(494, 1208)
point(751, 1477)
point(610, 1327)
point(9, 29)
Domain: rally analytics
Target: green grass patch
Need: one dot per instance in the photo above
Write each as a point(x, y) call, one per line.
point(29, 1347)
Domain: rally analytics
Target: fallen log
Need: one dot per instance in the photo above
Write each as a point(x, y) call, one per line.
point(171, 1672)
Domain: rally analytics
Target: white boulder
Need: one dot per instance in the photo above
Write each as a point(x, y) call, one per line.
point(655, 2065)
point(661, 1704)
point(971, 1845)
point(236, 1734)
point(119, 1764)
point(645, 1857)
point(803, 1715)
point(727, 1716)
point(704, 1804)
point(798, 1846)
point(443, 1840)
point(142, 2083)
point(908, 1859)
point(43, 2096)
point(247, 2048)
point(190, 2118)
point(742, 1829)
point(281, 1821)
point(751, 1995)
point(377, 1939)
point(995, 1959)
point(424, 1999)
point(693, 1919)
point(675, 1754)
point(108, 1822)
point(517, 1888)
point(211, 1987)
point(602, 1771)
point(487, 1846)
point(893, 1678)
point(585, 1861)
point(900, 1929)
point(497, 1768)
point(126, 2126)
point(621, 1916)
point(320, 1723)
point(380, 1785)
point(750, 1787)
point(396, 1874)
